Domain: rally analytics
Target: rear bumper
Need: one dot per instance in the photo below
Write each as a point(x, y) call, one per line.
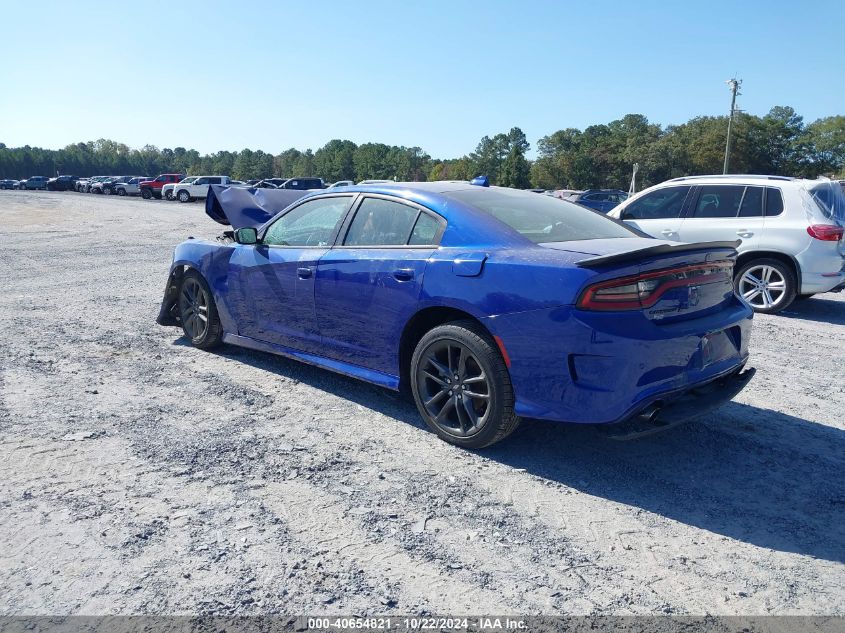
point(815, 283)
point(601, 368)
point(681, 407)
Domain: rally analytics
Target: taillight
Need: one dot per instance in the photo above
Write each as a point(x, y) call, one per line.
point(643, 291)
point(826, 232)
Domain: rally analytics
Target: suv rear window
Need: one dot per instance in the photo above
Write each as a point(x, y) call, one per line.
point(830, 199)
point(542, 218)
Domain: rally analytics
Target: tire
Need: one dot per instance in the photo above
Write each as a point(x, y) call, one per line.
point(196, 300)
point(183, 196)
point(768, 285)
point(464, 350)
point(169, 195)
point(121, 192)
point(146, 194)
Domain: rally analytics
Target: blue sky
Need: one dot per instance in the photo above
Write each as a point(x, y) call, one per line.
point(440, 75)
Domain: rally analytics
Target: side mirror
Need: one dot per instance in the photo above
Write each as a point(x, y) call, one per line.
point(246, 235)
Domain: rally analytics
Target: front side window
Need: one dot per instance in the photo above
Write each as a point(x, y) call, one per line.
point(380, 222)
point(663, 203)
point(201, 181)
point(214, 181)
point(312, 223)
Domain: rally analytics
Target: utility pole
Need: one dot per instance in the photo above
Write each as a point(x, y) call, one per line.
point(734, 85)
point(633, 188)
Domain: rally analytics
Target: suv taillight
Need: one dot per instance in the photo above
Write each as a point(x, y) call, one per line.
point(826, 232)
point(643, 291)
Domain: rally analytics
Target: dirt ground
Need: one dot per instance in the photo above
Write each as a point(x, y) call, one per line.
point(140, 475)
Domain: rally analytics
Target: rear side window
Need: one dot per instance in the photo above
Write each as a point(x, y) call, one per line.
point(752, 203)
point(718, 201)
point(663, 203)
point(774, 202)
point(381, 222)
point(425, 230)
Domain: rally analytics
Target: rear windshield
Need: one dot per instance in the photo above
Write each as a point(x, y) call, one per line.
point(542, 218)
point(829, 197)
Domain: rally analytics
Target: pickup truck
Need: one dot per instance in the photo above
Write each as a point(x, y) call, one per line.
point(188, 192)
point(167, 192)
point(152, 188)
point(130, 188)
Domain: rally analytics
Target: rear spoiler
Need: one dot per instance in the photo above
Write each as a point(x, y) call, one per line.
point(660, 249)
point(242, 207)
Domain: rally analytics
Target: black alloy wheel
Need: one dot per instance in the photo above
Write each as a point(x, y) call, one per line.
point(198, 313)
point(462, 387)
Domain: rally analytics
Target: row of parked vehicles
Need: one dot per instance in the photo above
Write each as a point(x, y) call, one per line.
point(168, 186)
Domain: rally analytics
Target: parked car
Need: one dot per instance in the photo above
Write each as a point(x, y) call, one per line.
point(168, 189)
point(110, 186)
point(84, 185)
point(599, 199)
point(34, 182)
point(152, 188)
point(131, 188)
point(190, 191)
point(791, 230)
point(103, 185)
point(566, 194)
point(9, 183)
point(487, 304)
point(62, 183)
point(341, 183)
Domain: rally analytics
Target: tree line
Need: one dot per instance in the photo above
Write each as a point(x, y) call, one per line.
point(779, 143)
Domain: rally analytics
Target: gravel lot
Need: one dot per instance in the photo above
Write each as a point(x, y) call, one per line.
point(139, 475)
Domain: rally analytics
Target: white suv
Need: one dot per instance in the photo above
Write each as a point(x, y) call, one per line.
point(791, 230)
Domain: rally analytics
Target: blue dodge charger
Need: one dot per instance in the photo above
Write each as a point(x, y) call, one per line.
point(486, 304)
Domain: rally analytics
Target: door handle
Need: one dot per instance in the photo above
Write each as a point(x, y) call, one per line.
point(304, 273)
point(403, 274)
point(744, 233)
point(668, 232)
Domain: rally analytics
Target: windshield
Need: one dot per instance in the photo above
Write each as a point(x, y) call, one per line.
point(830, 199)
point(542, 218)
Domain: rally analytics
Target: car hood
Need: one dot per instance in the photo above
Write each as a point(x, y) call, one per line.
point(247, 207)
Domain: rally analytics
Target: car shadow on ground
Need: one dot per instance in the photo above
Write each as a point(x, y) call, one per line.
point(755, 475)
point(816, 309)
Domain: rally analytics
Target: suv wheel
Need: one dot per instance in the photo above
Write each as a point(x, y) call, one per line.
point(768, 285)
point(184, 196)
point(121, 192)
point(146, 194)
point(168, 195)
